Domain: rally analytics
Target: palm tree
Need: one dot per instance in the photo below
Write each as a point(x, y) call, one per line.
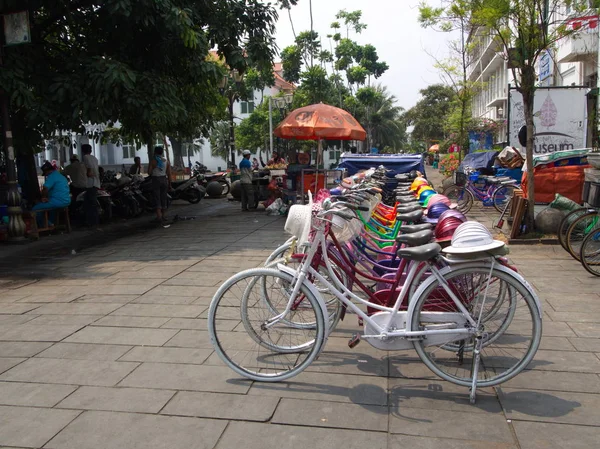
point(219, 140)
point(381, 117)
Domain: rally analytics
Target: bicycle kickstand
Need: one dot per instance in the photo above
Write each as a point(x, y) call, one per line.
point(475, 369)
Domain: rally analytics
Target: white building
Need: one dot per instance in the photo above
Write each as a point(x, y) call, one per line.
point(574, 62)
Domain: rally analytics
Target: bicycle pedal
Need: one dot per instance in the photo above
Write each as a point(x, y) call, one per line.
point(360, 322)
point(355, 340)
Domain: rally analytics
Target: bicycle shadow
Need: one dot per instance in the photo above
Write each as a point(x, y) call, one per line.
point(536, 403)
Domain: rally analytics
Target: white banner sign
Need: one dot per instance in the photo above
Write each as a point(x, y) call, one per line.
point(559, 117)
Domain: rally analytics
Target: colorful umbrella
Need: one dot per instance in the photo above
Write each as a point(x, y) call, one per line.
point(320, 121)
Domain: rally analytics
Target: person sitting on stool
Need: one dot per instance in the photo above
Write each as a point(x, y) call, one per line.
point(55, 194)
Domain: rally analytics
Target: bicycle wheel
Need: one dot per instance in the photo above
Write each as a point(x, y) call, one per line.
point(508, 333)
point(580, 227)
point(502, 196)
point(590, 252)
point(243, 334)
point(460, 196)
point(567, 221)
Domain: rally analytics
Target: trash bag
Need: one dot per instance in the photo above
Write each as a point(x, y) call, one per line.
point(276, 206)
point(563, 203)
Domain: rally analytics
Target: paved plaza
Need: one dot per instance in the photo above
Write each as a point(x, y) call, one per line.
point(108, 348)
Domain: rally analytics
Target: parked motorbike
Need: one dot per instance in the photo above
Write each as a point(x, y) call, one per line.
point(103, 203)
point(220, 177)
point(189, 190)
point(145, 188)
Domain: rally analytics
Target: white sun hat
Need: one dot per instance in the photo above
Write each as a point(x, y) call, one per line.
point(299, 220)
point(472, 237)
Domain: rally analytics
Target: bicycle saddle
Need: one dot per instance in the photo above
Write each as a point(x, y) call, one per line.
point(409, 229)
point(420, 253)
point(406, 196)
point(408, 208)
point(406, 200)
point(410, 217)
point(416, 238)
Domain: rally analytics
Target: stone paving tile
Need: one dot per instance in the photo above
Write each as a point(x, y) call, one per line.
point(586, 344)
point(440, 395)
point(7, 363)
point(121, 299)
point(533, 435)
point(122, 336)
point(27, 332)
point(586, 330)
point(144, 282)
point(554, 380)
point(177, 290)
point(84, 351)
point(413, 442)
point(190, 339)
point(223, 406)
point(575, 317)
point(80, 320)
point(50, 297)
point(117, 399)
point(17, 309)
point(111, 430)
point(350, 363)
point(77, 309)
point(252, 436)
point(368, 390)
point(160, 310)
point(33, 395)
point(158, 299)
point(7, 320)
point(167, 355)
point(340, 415)
point(21, 348)
point(16, 427)
point(75, 372)
point(174, 376)
point(577, 362)
point(131, 321)
point(556, 344)
point(450, 424)
point(556, 329)
point(551, 406)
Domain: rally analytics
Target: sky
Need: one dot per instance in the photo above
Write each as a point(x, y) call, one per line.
point(392, 27)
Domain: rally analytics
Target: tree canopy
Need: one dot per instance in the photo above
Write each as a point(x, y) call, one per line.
point(428, 116)
point(144, 64)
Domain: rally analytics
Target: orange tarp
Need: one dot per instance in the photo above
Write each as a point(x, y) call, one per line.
point(566, 180)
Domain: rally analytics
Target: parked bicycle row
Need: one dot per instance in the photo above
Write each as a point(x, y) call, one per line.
point(411, 269)
point(579, 235)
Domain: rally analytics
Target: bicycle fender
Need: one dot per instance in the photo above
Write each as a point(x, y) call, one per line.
point(478, 264)
point(291, 272)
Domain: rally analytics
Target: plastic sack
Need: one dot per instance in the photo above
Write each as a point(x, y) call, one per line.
point(563, 203)
point(276, 206)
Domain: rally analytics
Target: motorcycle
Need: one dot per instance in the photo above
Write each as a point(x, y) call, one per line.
point(104, 205)
point(220, 177)
point(188, 190)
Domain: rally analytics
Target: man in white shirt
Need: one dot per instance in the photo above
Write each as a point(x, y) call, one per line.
point(78, 174)
point(93, 184)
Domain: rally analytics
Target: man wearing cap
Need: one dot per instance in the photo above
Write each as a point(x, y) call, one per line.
point(78, 174)
point(246, 182)
point(55, 193)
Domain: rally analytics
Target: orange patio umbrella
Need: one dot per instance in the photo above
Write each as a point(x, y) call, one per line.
point(320, 121)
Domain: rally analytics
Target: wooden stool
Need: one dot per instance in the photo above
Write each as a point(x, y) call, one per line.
point(46, 226)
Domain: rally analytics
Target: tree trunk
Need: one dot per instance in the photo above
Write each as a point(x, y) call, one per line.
point(150, 145)
point(177, 156)
point(528, 92)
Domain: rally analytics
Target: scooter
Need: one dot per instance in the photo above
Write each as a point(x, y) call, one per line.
point(103, 203)
point(188, 190)
point(220, 177)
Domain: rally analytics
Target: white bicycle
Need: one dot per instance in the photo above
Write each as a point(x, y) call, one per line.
point(475, 323)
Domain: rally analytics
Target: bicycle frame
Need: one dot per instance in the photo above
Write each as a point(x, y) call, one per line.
point(343, 294)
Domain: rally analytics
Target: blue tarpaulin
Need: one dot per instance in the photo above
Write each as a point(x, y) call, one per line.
point(478, 161)
point(398, 163)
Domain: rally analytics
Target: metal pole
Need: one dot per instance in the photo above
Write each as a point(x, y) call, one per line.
point(270, 126)
point(231, 133)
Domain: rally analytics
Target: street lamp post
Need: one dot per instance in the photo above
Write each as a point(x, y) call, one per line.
point(15, 30)
point(232, 95)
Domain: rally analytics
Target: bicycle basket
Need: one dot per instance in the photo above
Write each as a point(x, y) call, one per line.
point(345, 230)
point(298, 221)
point(460, 179)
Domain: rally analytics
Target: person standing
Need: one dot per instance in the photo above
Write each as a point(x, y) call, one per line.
point(93, 184)
point(136, 168)
point(78, 174)
point(159, 170)
point(246, 182)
